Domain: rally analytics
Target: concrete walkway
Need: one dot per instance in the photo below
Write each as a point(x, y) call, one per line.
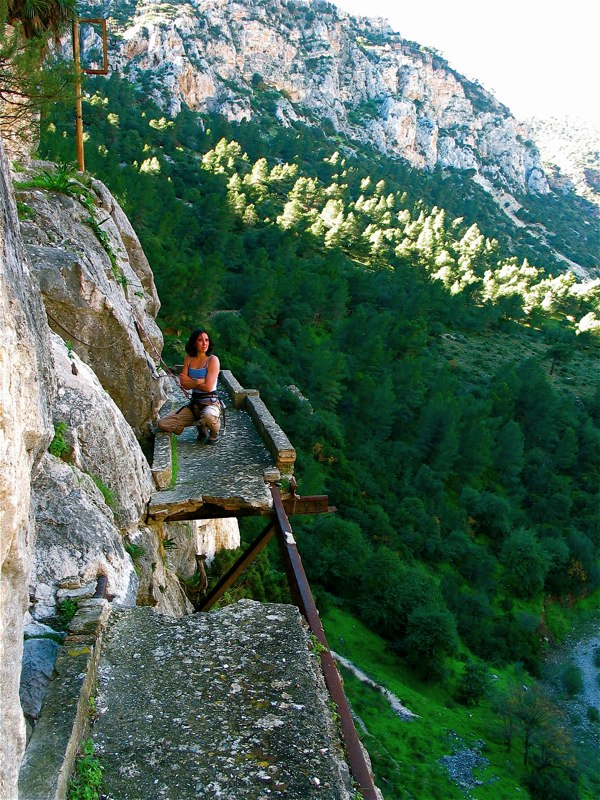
point(228, 705)
point(229, 476)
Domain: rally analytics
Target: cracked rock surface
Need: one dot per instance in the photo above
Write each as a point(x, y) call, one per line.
point(229, 705)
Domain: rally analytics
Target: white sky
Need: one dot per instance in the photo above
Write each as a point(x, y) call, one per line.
point(538, 57)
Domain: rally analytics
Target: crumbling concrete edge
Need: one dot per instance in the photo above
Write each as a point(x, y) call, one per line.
point(274, 438)
point(235, 390)
point(162, 460)
point(276, 441)
point(65, 718)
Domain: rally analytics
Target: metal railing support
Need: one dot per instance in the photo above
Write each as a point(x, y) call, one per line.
point(236, 570)
point(303, 597)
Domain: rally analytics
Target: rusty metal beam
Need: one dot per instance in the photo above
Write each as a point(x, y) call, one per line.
point(236, 570)
point(310, 504)
point(101, 586)
point(302, 594)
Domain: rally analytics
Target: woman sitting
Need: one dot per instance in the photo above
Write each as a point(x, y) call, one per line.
point(200, 373)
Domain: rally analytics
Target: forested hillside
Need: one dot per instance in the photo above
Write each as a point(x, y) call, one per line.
point(438, 383)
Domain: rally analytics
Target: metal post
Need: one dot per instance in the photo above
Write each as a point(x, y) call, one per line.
point(78, 109)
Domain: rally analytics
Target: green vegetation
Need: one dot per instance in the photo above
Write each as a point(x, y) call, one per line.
point(315, 645)
point(174, 461)
point(65, 611)
point(61, 179)
point(107, 493)
point(525, 736)
point(30, 79)
point(86, 782)
point(135, 550)
point(449, 407)
point(59, 446)
point(572, 680)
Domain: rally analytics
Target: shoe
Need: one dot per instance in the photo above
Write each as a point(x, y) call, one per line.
point(202, 435)
point(213, 438)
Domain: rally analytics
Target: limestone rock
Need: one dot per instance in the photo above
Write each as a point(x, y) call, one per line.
point(569, 149)
point(25, 432)
point(102, 443)
point(159, 586)
point(357, 73)
point(205, 536)
point(98, 292)
point(75, 534)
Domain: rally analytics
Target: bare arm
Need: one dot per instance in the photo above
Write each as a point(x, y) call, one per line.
point(186, 381)
point(207, 384)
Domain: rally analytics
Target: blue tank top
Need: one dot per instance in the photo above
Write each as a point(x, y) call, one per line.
point(200, 374)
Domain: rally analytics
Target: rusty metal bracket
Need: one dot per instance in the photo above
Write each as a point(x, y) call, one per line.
point(102, 23)
point(309, 504)
point(101, 586)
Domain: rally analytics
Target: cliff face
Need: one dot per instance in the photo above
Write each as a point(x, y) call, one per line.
point(569, 149)
point(26, 392)
point(85, 384)
point(320, 65)
point(97, 286)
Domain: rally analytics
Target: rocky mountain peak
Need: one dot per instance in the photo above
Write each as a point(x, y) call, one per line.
point(310, 61)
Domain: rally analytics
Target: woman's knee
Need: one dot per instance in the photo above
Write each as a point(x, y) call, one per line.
point(211, 419)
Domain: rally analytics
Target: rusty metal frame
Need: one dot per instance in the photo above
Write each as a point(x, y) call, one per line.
point(102, 23)
point(240, 565)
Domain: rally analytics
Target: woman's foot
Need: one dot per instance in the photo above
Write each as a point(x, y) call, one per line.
point(202, 434)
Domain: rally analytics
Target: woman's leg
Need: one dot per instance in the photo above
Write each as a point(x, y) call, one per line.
point(211, 421)
point(177, 421)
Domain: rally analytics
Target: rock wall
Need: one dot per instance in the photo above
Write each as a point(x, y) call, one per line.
point(101, 442)
point(97, 286)
point(87, 388)
point(315, 61)
point(26, 389)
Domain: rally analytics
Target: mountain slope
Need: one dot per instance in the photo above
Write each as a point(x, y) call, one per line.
point(286, 63)
point(354, 73)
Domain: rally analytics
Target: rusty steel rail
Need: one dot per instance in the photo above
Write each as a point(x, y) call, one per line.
point(303, 597)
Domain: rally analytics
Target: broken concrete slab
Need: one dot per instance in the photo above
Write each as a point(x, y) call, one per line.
point(228, 475)
point(229, 704)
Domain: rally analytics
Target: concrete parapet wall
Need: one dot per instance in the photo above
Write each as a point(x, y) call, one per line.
point(274, 438)
point(236, 391)
point(64, 721)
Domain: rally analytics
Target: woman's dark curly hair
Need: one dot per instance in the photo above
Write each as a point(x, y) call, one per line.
point(190, 346)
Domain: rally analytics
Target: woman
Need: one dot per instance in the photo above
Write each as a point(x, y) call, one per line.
point(200, 373)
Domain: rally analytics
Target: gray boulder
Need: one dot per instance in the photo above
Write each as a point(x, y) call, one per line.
point(75, 535)
point(37, 667)
point(101, 442)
